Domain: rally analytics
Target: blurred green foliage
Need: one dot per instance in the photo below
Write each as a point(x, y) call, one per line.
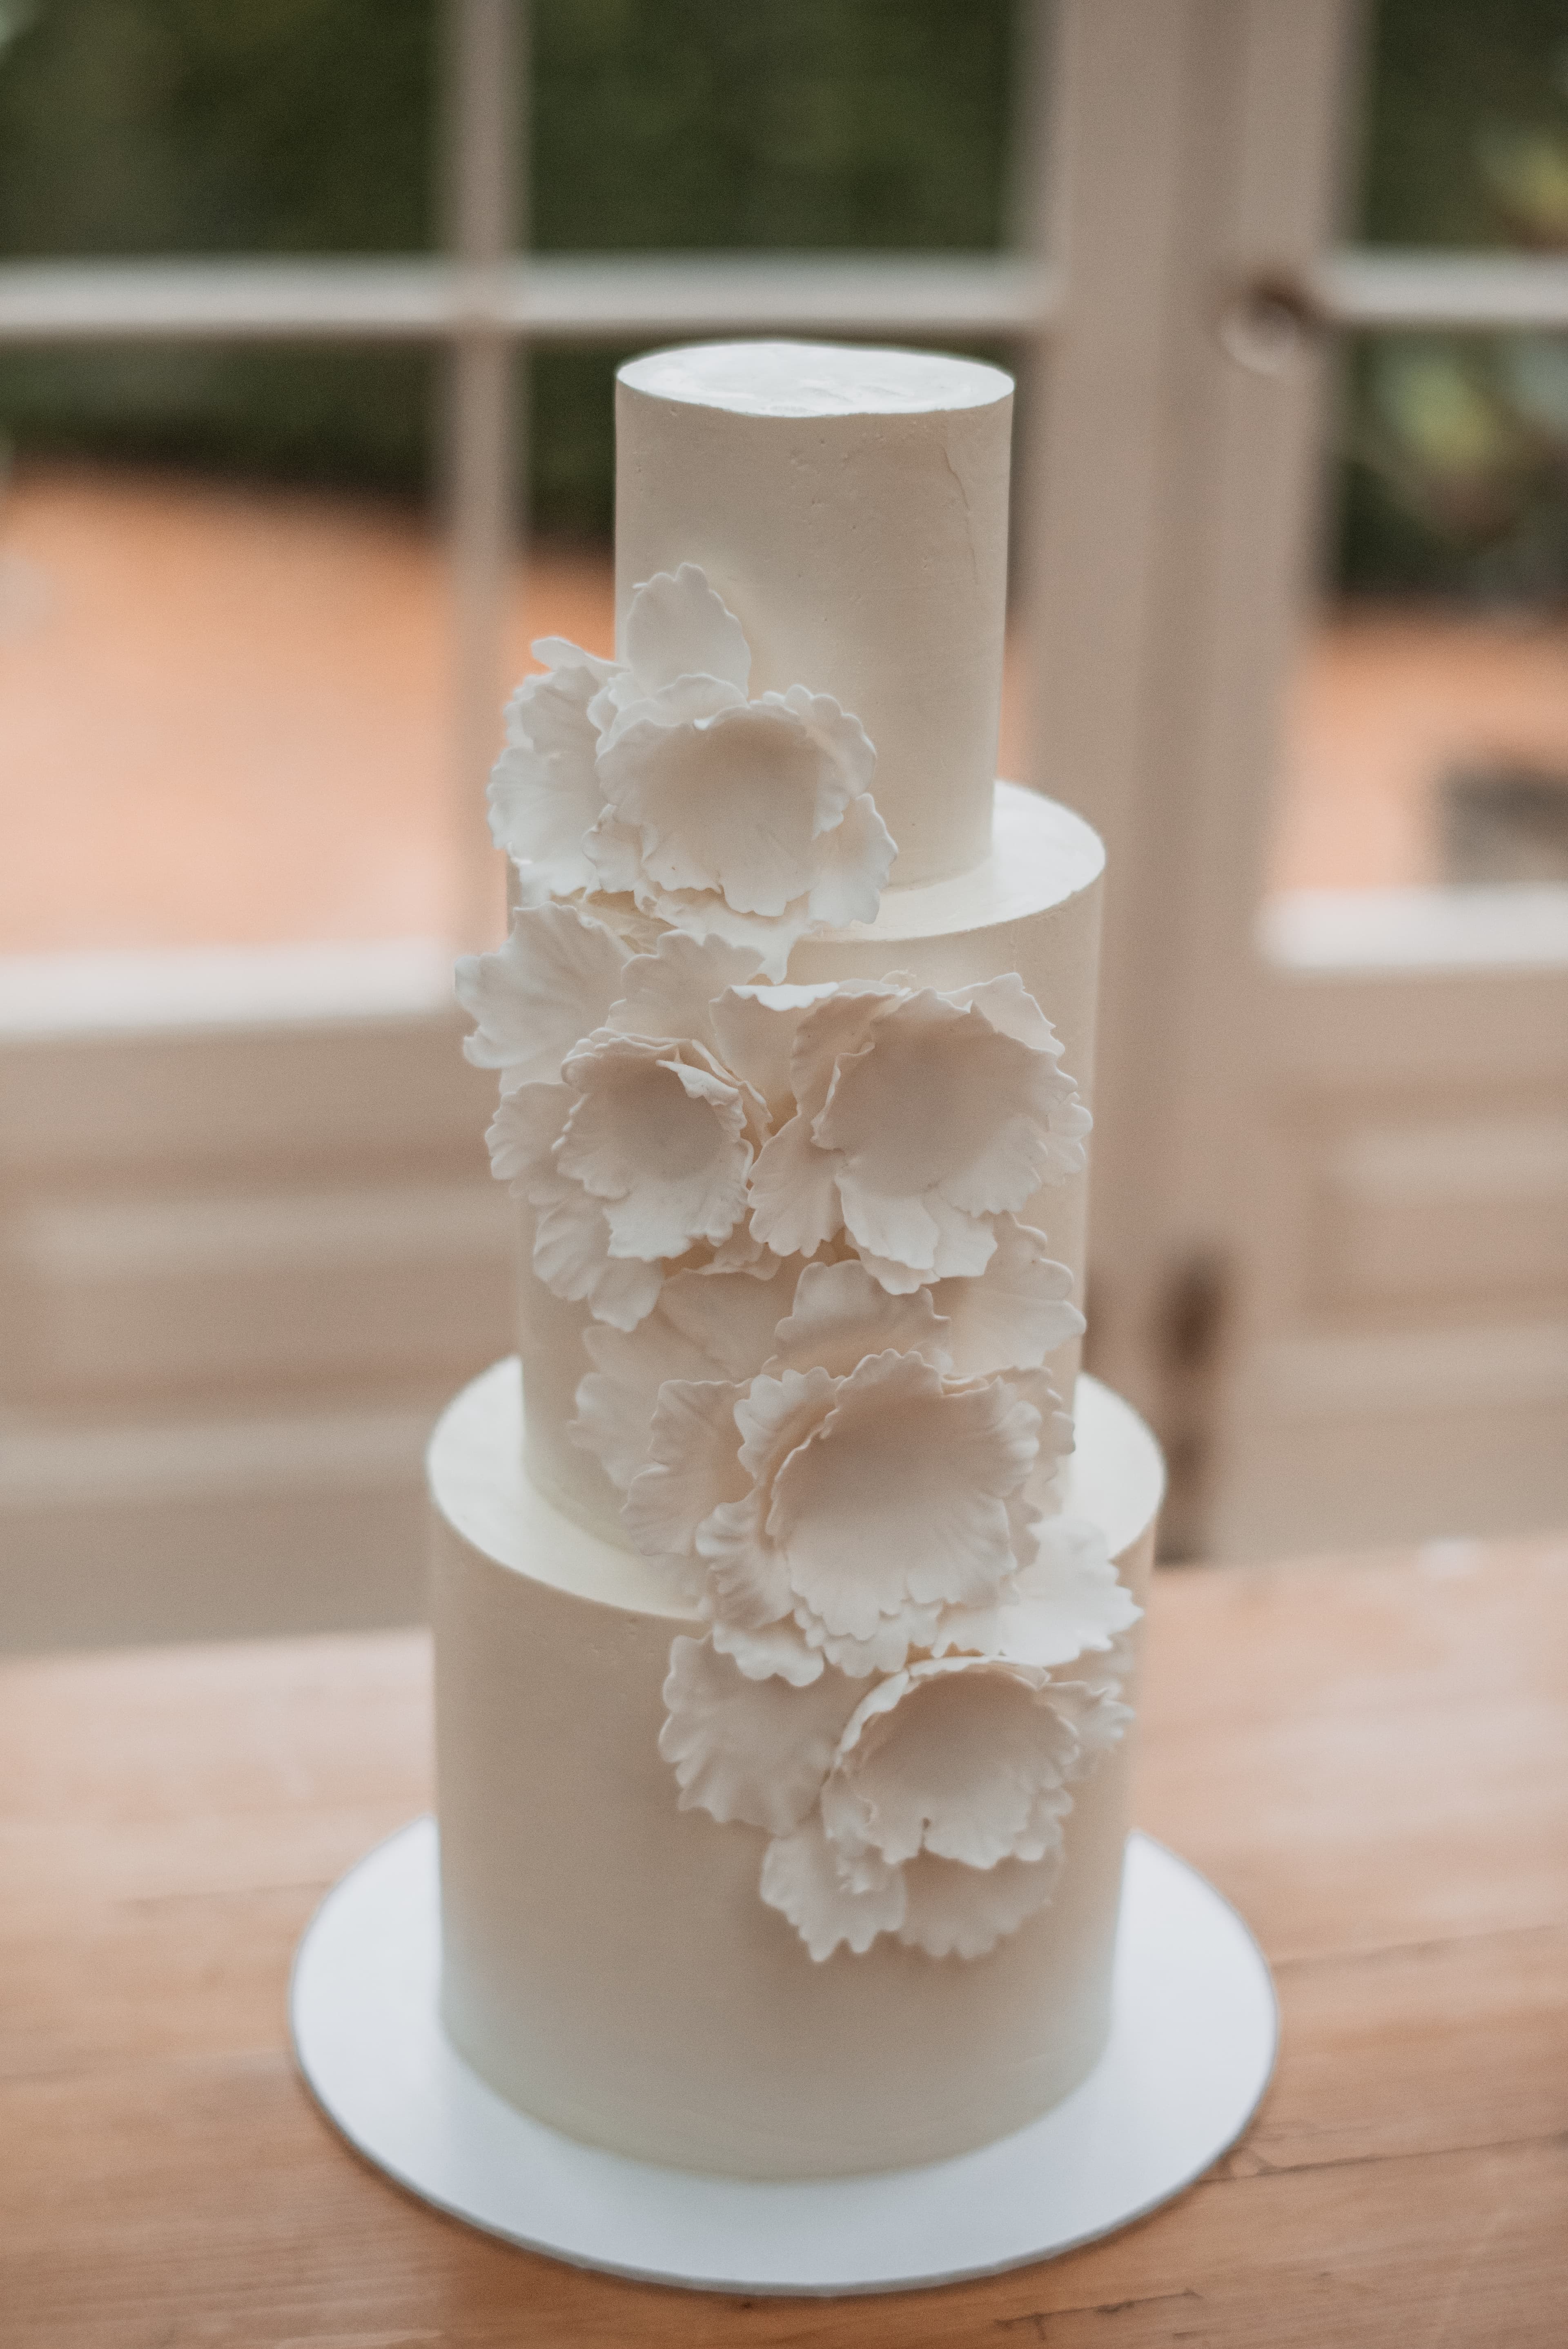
point(295, 126)
point(178, 126)
point(309, 126)
point(1455, 473)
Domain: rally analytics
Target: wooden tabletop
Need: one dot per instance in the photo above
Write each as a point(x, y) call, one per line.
point(1370, 1758)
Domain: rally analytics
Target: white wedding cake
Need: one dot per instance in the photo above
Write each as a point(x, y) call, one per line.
point(784, 1632)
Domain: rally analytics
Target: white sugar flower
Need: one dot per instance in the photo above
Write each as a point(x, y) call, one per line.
point(661, 1137)
point(921, 1117)
point(746, 821)
point(873, 1503)
point(544, 795)
point(931, 1806)
point(941, 1817)
point(965, 1757)
point(654, 777)
point(638, 1155)
point(862, 1501)
point(679, 630)
point(541, 993)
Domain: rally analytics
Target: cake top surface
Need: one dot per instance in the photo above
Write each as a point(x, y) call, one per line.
point(815, 380)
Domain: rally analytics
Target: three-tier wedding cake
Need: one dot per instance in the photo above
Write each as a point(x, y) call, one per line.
point(784, 1633)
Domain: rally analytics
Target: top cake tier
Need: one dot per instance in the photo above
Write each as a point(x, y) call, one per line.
point(850, 507)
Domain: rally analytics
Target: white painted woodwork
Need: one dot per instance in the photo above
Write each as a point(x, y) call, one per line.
point(1352, 1128)
point(548, 298)
point(249, 1244)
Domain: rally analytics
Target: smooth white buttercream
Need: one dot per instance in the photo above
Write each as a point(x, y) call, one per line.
point(850, 508)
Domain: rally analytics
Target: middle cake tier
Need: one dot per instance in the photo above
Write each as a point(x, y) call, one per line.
point(1032, 907)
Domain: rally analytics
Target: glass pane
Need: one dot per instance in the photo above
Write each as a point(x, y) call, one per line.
point(280, 126)
point(1429, 724)
point(804, 126)
point(226, 700)
point(1466, 124)
point(223, 611)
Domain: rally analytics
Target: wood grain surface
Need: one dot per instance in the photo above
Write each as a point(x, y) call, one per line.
point(1370, 1758)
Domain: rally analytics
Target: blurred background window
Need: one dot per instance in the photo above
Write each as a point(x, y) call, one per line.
point(1429, 731)
point(1291, 625)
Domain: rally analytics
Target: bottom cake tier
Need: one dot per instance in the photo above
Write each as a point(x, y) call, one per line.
point(608, 1964)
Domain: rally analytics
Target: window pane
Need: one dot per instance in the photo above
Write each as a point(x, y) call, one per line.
point(222, 599)
point(1466, 115)
point(1429, 730)
point(226, 700)
point(802, 125)
point(224, 704)
point(280, 126)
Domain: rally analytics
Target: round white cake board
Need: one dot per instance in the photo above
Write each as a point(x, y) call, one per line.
point(1191, 2051)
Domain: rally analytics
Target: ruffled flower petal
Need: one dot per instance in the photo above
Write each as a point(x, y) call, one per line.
point(694, 1464)
point(678, 625)
point(801, 1879)
point(836, 1029)
point(571, 1256)
point(754, 1034)
point(953, 1911)
point(523, 1133)
point(923, 1122)
point(773, 1650)
point(572, 1251)
point(616, 1399)
point(661, 1138)
point(847, 759)
point(1017, 1311)
point(1009, 1009)
point(746, 1589)
point(731, 1315)
point(885, 1648)
point(686, 702)
point(540, 993)
point(671, 992)
point(744, 821)
point(560, 652)
point(731, 803)
point(967, 1758)
point(752, 1750)
point(852, 868)
point(898, 1495)
point(708, 1326)
point(939, 1102)
point(612, 851)
point(840, 1314)
point(794, 1196)
point(778, 1412)
point(1069, 1602)
point(544, 791)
